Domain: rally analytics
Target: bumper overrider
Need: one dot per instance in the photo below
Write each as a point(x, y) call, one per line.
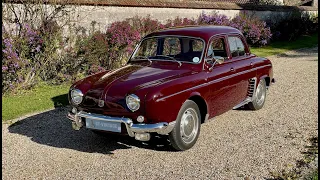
point(139, 131)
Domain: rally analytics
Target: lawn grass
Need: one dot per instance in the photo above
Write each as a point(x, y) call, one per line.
point(46, 97)
point(313, 175)
point(283, 46)
point(40, 98)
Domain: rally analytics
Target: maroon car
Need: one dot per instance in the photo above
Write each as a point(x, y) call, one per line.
point(175, 80)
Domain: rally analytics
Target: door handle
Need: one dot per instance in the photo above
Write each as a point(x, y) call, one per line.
point(232, 69)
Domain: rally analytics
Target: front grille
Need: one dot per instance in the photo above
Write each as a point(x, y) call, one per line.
point(252, 84)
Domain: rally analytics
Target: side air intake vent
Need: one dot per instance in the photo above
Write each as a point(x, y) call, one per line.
point(251, 88)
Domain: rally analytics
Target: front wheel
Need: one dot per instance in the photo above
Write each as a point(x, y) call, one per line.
point(187, 128)
point(259, 97)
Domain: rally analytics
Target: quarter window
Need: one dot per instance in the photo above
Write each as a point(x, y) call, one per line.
point(217, 48)
point(236, 46)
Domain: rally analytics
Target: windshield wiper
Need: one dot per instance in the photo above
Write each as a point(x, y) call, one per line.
point(143, 57)
point(172, 58)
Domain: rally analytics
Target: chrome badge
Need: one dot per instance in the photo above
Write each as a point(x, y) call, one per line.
point(100, 103)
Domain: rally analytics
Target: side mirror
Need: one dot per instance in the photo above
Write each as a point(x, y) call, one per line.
point(218, 59)
point(214, 60)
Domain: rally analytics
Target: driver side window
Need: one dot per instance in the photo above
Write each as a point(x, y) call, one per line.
point(217, 48)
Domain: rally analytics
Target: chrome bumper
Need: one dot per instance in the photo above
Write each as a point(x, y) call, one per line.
point(160, 128)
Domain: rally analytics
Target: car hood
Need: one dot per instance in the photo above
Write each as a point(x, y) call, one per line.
point(115, 85)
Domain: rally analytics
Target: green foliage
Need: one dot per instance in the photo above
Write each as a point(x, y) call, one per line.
point(33, 50)
point(313, 175)
point(292, 25)
point(279, 47)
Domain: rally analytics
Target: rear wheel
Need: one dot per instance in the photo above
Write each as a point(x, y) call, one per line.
point(187, 128)
point(259, 97)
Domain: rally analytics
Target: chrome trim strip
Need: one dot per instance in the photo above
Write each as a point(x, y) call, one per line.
point(246, 101)
point(206, 119)
point(211, 82)
point(160, 128)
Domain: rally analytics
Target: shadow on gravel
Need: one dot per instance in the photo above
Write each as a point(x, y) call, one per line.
point(294, 55)
point(52, 128)
point(243, 108)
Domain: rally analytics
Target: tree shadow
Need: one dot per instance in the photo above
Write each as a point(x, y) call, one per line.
point(53, 128)
point(294, 55)
point(60, 101)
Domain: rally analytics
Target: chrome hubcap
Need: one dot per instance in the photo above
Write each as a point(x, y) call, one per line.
point(260, 94)
point(189, 125)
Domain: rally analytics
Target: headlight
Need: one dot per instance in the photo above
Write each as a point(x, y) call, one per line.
point(76, 96)
point(133, 102)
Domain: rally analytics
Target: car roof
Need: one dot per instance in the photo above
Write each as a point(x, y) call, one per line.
point(204, 32)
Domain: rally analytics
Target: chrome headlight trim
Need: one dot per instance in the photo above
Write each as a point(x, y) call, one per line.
point(133, 102)
point(76, 96)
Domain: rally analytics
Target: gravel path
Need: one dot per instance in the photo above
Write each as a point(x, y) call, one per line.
point(235, 145)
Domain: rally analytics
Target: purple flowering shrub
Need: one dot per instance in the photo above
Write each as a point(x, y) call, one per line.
point(95, 69)
point(122, 39)
point(145, 25)
point(213, 19)
point(180, 22)
point(255, 31)
point(11, 63)
point(18, 56)
point(43, 53)
point(31, 56)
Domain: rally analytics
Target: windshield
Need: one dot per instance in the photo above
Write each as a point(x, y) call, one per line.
point(182, 49)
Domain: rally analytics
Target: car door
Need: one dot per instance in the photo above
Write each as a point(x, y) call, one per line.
point(241, 67)
point(219, 93)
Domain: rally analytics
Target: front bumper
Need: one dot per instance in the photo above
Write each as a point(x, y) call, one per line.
point(163, 128)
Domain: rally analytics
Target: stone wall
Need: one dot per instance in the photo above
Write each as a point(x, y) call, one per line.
point(84, 15)
point(105, 15)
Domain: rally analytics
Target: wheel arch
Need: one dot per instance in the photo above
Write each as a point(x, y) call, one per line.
point(202, 104)
point(267, 79)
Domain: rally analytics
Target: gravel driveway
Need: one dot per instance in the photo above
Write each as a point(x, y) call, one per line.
point(235, 145)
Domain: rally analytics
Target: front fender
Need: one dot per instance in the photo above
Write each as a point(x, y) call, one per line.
point(164, 102)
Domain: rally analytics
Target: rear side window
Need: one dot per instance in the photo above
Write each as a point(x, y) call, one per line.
point(236, 46)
